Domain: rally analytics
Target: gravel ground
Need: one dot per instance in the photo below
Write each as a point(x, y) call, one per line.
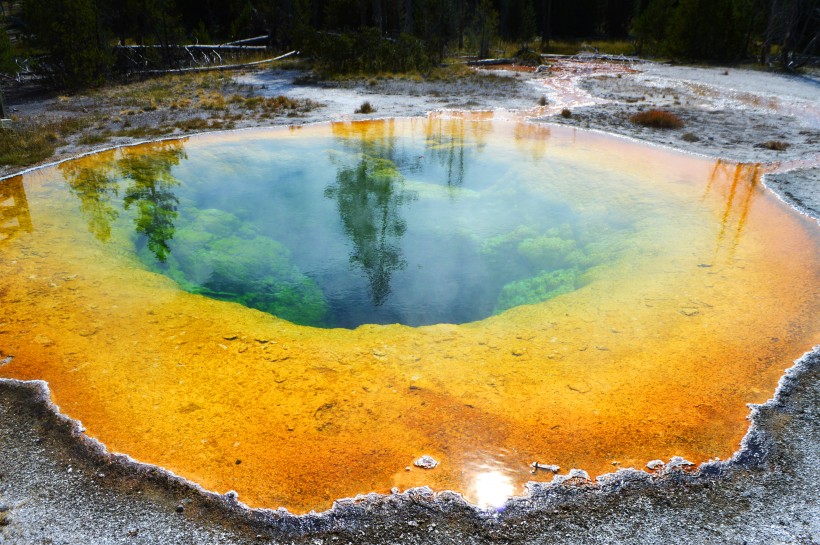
point(58, 486)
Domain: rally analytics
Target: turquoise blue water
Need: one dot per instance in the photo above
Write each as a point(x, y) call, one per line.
point(343, 228)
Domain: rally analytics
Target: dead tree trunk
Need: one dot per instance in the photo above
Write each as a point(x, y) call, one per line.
point(3, 113)
point(408, 17)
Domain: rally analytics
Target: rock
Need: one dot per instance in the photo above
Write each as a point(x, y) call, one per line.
point(43, 340)
point(655, 464)
point(678, 463)
point(426, 462)
point(623, 477)
point(573, 474)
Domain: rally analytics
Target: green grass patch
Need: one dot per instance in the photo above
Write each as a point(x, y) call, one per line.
point(24, 145)
point(27, 143)
point(144, 132)
point(92, 139)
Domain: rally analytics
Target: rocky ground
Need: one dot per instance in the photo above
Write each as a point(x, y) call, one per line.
point(57, 486)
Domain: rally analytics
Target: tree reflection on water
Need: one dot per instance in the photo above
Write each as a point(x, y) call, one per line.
point(369, 195)
point(15, 217)
point(96, 180)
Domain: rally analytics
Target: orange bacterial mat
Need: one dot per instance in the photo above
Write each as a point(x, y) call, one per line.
point(710, 296)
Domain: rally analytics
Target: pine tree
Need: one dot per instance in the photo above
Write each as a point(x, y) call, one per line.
point(72, 33)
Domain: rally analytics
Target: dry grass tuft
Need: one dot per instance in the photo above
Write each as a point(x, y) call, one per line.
point(657, 119)
point(774, 145)
point(24, 145)
point(365, 108)
point(566, 113)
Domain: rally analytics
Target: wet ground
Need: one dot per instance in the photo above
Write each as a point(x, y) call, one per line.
point(56, 487)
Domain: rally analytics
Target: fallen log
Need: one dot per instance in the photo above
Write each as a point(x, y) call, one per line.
point(194, 47)
point(215, 67)
point(250, 41)
point(490, 62)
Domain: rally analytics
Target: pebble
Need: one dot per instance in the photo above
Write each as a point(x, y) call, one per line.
point(677, 462)
point(426, 462)
point(546, 467)
point(43, 340)
point(573, 474)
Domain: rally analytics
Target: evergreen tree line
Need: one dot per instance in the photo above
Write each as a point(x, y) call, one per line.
point(77, 37)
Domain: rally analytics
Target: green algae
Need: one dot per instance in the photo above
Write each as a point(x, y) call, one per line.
point(216, 255)
point(537, 289)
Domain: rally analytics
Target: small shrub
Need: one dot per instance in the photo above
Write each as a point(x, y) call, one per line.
point(528, 57)
point(690, 137)
point(70, 125)
point(657, 119)
point(213, 101)
point(143, 131)
point(566, 113)
point(365, 108)
point(774, 145)
point(92, 139)
point(542, 101)
point(193, 124)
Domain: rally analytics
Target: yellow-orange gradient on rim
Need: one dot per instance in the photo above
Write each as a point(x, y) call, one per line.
point(658, 355)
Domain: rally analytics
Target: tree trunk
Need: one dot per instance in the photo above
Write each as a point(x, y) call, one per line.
point(378, 19)
point(3, 113)
point(546, 35)
point(408, 16)
point(771, 25)
point(460, 25)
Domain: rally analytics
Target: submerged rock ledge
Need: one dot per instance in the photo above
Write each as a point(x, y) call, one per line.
point(420, 511)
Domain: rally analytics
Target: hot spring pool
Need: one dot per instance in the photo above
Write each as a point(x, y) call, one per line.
point(299, 314)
